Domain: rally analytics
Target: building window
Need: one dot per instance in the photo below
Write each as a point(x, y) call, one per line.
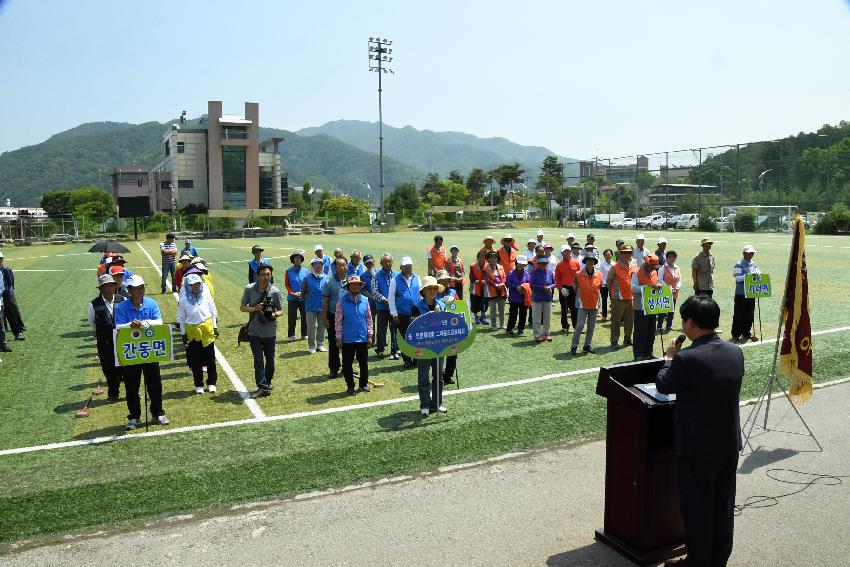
point(185, 184)
point(164, 184)
point(167, 148)
point(233, 176)
point(180, 148)
point(234, 133)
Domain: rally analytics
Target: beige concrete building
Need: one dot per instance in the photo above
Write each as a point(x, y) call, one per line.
point(220, 165)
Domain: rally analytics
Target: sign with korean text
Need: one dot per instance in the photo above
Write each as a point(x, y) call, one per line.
point(657, 300)
point(439, 333)
point(757, 285)
point(140, 346)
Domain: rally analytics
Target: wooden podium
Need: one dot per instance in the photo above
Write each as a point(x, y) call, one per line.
point(642, 516)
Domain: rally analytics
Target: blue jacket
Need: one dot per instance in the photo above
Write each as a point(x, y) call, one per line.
point(356, 270)
point(449, 294)
point(381, 288)
point(540, 279)
point(253, 266)
point(423, 307)
point(405, 297)
point(311, 292)
point(354, 325)
point(126, 312)
point(294, 281)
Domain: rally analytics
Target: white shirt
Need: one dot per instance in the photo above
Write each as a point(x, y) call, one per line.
point(391, 292)
point(604, 268)
point(109, 305)
point(196, 314)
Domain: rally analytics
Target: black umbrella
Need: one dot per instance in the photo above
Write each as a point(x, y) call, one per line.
point(109, 246)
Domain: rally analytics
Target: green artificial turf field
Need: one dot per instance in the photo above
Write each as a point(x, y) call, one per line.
point(48, 377)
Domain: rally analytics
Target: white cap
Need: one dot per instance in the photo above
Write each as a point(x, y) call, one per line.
point(640, 236)
point(662, 240)
point(522, 260)
point(749, 249)
point(530, 240)
point(406, 261)
point(565, 248)
point(317, 260)
point(135, 281)
point(570, 235)
point(539, 232)
point(193, 279)
point(1, 254)
point(318, 247)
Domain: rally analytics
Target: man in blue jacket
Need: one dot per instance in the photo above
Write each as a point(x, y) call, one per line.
point(380, 293)
point(140, 312)
point(706, 378)
point(312, 295)
point(403, 298)
point(294, 281)
point(354, 333)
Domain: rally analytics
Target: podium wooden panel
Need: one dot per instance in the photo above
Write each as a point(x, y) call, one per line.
point(642, 516)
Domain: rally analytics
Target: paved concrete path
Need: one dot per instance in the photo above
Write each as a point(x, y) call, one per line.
point(534, 508)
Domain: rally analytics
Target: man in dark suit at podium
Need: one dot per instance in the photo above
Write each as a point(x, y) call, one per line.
point(706, 378)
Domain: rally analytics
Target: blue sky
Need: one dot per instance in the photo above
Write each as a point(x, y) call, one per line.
point(579, 77)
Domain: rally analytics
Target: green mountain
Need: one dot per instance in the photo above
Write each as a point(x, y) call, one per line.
point(85, 155)
point(439, 152)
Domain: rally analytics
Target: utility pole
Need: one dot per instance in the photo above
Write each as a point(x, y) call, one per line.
point(379, 58)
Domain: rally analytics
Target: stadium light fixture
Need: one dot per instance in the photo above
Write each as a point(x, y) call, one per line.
point(378, 62)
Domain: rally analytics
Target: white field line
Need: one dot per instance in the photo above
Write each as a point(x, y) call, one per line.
point(304, 414)
point(252, 405)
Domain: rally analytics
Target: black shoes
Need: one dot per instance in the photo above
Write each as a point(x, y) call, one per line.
point(588, 349)
point(261, 393)
point(20, 337)
point(448, 381)
point(5, 348)
point(351, 392)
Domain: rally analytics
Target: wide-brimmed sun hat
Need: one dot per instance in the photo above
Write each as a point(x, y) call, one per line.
point(352, 280)
point(430, 281)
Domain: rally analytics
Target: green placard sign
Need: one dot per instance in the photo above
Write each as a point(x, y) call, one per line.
point(140, 346)
point(439, 334)
point(757, 285)
point(657, 300)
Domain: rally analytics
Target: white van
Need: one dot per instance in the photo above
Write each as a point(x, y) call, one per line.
point(690, 220)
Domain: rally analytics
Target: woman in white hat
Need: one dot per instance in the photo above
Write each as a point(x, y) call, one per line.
point(198, 320)
point(430, 390)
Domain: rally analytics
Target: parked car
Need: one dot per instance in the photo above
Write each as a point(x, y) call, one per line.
point(629, 223)
point(61, 237)
point(688, 221)
point(646, 222)
point(659, 223)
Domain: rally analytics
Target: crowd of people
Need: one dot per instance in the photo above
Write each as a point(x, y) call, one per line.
point(345, 305)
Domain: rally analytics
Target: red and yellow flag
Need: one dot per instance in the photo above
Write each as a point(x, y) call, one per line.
point(795, 358)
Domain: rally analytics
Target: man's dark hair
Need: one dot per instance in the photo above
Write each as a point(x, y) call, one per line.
point(265, 267)
point(702, 310)
point(344, 261)
point(671, 253)
point(169, 235)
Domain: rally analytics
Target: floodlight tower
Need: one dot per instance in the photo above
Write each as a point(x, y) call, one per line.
point(379, 59)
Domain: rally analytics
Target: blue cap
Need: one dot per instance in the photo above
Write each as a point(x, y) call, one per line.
point(543, 259)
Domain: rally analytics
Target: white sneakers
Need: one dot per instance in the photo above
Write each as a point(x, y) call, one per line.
point(161, 420)
point(304, 337)
point(312, 351)
point(199, 389)
point(133, 424)
point(442, 409)
point(321, 348)
point(211, 388)
point(424, 411)
point(136, 423)
point(291, 338)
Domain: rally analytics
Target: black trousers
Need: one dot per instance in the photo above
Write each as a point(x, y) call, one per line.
point(198, 356)
point(458, 290)
point(112, 373)
point(12, 313)
point(568, 309)
point(643, 334)
point(292, 312)
point(403, 324)
point(742, 316)
point(153, 383)
point(517, 315)
point(349, 352)
point(603, 292)
point(333, 352)
point(449, 368)
point(385, 319)
point(707, 500)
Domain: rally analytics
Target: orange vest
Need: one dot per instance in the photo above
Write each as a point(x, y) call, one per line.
point(623, 281)
point(455, 271)
point(647, 279)
point(507, 259)
point(438, 258)
point(495, 275)
point(476, 277)
point(588, 288)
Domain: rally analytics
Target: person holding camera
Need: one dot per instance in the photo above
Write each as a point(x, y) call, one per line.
point(262, 300)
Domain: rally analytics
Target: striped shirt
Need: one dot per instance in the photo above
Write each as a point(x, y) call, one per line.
point(168, 251)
